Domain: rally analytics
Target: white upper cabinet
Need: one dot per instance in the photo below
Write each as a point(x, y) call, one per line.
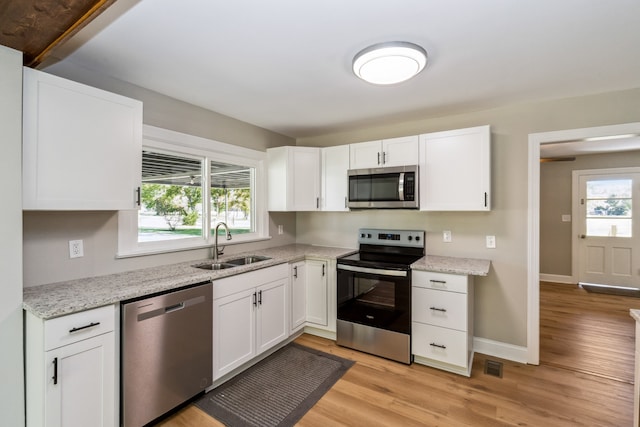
point(455, 170)
point(335, 164)
point(384, 153)
point(81, 146)
point(293, 178)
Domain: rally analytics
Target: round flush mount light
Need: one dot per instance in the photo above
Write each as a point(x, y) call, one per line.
point(389, 63)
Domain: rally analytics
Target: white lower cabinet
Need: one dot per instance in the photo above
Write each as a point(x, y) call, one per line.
point(298, 295)
point(71, 370)
point(250, 315)
point(442, 321)
point(317, 293)
point(313, 297)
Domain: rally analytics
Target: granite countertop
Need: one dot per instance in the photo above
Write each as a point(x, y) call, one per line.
point(58, 299)
point(444, 264)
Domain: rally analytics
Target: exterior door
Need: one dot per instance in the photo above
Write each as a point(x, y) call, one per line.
point(608, 232)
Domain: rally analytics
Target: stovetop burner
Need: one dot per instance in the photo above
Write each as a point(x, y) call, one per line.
point(388, 249)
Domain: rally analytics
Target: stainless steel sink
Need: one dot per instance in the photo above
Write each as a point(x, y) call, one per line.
point(215, 265)
point(231, 263)
point(247, 260)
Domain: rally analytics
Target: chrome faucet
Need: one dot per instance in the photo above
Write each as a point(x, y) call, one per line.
point(215, 244)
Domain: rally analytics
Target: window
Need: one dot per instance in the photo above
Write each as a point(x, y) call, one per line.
point(188, 186)
point(609, 207)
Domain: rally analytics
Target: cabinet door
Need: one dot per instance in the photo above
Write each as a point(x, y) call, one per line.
point(80, 388)
point(400, 151)
point(317, 302)
point(293, 178)
point(335, 164)
point(455, 170)
point(298, 295)
point(82, 146)
point(365, 155)
point(234, 332)
point(272, 315)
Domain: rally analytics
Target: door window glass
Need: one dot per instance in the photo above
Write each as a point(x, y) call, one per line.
point(608, 207)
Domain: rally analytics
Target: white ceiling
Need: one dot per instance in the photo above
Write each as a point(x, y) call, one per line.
point(285, 65)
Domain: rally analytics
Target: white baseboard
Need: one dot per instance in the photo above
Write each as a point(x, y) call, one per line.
point(557, 278)
point(499, 349)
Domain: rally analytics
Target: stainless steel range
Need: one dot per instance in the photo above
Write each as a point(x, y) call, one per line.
point(374, 293)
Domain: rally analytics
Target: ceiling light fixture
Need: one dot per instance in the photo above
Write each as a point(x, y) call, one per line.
point(389, 63)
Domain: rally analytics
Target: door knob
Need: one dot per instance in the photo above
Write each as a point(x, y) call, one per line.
point(583, 236)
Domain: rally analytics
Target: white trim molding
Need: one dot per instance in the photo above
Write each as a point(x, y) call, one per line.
point(557, 278)
point(499, 349)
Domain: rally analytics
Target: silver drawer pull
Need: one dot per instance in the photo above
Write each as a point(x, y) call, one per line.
point(90, 325)
point(444, 347)
point(441, 282)
point(444, 310)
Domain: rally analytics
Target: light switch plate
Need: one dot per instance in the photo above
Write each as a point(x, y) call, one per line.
point(76, 249)
point(446, 236)
point(491, 242)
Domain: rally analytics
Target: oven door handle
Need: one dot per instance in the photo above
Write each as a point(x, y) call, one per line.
point(378, 271)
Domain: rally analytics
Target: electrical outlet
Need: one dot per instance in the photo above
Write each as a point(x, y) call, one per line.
point(491, 242)
point(280, 229)
point(446, 236)
point(75, 249)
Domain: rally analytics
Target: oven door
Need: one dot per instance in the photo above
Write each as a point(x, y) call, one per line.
point(375, 297)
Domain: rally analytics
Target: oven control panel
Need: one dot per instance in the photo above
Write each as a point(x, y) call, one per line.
point(375, 236)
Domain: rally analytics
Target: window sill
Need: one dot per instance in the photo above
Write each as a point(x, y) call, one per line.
point(156, 251)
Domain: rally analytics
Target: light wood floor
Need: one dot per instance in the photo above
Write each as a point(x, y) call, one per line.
point(584, 379)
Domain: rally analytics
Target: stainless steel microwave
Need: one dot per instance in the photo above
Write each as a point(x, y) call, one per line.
point(384, 188)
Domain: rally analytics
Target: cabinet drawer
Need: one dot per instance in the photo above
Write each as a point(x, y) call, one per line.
point(442, 281)
point(78, 326)
point(440, 308)
point(442, 344)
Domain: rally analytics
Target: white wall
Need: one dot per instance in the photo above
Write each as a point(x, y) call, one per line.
point(11, 355)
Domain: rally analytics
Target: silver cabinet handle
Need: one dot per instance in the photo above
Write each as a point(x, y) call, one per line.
point(295, 271)
point(443, 310)
point(438, 345)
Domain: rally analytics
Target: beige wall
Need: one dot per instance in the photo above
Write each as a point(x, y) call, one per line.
point(555, 200)
point(500, 298)
point(47, 234)
point(169, 113)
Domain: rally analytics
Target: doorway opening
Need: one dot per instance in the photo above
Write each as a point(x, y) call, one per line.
point(601, 136)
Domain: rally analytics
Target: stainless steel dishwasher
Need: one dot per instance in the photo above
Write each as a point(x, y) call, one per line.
point(166, 352)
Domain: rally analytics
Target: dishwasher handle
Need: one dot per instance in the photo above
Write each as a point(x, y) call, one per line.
point(171, 308)
point(175, 307)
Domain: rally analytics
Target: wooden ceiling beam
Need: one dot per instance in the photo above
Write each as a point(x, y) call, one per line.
point(37, 27)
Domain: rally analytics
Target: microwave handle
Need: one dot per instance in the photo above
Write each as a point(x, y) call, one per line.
point(401, 186)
